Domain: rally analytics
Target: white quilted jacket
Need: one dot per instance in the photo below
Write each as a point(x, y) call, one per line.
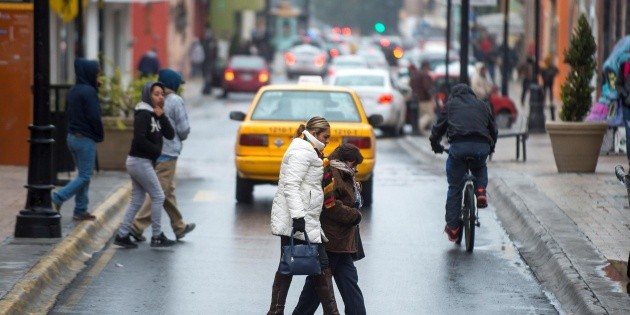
point(300, 192)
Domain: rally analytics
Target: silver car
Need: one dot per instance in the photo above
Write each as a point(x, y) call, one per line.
point(305, 59)
point(378, 94)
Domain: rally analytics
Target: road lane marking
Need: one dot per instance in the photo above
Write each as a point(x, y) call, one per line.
point(205, 196)
point(98, 267)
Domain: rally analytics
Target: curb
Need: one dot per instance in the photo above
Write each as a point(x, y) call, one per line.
point(37, 291)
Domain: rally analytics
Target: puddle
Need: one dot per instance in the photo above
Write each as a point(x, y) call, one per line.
point(616, 270)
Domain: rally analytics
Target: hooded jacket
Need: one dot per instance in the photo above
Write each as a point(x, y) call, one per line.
point(175, 110)
point(148, 128)
point(465, 118)
point(83, 107)
point(300, 193)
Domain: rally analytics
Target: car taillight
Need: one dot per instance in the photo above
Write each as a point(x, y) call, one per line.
point(384, 42)
point(228, 75)
point(360, 142)
point(385, 99)
point(320, 60)
point(263, 76)
point(289, 58)
point(334, 52)
point(254, 140)
point(331, 71)
point(398, 52)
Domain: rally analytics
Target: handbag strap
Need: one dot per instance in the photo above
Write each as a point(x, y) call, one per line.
point(308, 242)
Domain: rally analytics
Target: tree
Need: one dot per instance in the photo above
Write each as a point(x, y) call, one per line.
point(576, 91)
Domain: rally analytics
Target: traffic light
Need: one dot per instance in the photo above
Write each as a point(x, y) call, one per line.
point(379, 27)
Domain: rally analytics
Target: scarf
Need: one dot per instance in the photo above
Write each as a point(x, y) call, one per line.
point(343, 166)
point(328, 182)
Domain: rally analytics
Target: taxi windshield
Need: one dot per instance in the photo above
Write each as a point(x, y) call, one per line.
point(302, 105)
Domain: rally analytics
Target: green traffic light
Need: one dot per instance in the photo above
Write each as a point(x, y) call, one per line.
point(379, 27)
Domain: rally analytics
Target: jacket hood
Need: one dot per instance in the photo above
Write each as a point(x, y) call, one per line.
point(146, 91)
point(171, 79)
point(461, 90)
point(86, 71)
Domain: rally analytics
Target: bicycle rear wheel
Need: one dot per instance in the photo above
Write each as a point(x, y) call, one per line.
point(469, 218)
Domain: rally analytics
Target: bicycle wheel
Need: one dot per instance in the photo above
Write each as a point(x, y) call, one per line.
point(469, 218)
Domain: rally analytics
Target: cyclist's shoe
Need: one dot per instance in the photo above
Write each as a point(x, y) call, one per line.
point(482, 199)
point(453, 234)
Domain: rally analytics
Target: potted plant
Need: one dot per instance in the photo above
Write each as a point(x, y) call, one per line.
point(576, 144)
point(117, 103)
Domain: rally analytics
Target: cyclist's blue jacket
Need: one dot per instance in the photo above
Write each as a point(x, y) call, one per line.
point(465, 118)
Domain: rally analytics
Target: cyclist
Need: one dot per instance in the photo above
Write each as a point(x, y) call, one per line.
point(472, 134)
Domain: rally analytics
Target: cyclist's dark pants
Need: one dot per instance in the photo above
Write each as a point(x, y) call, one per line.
point(455, 171)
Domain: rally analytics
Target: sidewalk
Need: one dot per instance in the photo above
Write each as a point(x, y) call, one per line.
point(573, 226)
point(33, 271)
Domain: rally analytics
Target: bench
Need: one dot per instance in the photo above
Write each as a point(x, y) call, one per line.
point(520, 132)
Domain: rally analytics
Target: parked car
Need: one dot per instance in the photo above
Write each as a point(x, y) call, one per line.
point(245, 73)
point(271, 122)
point(346, 62)
point(378, 95)
point(305, 59)
point(505, 111)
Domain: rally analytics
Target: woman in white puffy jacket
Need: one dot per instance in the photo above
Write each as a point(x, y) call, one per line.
point(304, 176)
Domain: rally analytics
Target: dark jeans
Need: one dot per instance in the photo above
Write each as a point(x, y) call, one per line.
point(525, 89)
point(456, 169)
point(347, 280)
point(626, 123)
point(323, 257)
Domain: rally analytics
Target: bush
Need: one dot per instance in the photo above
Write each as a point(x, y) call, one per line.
point(576, 91)
point(118, 100)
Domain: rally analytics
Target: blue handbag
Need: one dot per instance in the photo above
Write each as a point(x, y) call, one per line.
point(300, 259)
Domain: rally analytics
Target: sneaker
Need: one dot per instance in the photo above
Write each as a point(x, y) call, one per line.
point(189, 227)
point(482, 199)
point(452, 233)
point(85, 217)
point(124, 241)
point(161, 241)
point(137, 236)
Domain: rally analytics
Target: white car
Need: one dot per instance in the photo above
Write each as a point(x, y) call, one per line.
point(378, 95)
point(346, 62)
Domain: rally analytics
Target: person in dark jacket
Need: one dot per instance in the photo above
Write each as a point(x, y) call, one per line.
point(422, 86)
point(472, 133)
point(149, 126)
point(340, 224)
point(85, 129)
point(149, 64)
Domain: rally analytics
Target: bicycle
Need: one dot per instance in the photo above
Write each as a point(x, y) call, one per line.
point(470, 213)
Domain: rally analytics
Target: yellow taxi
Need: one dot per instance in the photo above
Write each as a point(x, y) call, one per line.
point(271, 123)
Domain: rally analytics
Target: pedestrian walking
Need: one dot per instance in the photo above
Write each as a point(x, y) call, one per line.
point(305, 186)
point(175, 111)
point(85, 129)
point(340, 223)
point(149, 127)
point(480, 83)
point(422, 87)
point(197, 56)
point(526, 74)
point(210, 47)
point(548, 73)
point(622, 85)
point(149, 64)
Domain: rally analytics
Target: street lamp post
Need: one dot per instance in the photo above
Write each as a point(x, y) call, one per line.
point(38, 220)
point(464, 39)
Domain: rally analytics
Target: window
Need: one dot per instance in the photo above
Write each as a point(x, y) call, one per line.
point(351, 80)
point(302, 105)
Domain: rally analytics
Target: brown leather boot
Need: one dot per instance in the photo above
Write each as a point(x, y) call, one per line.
point(326, 292)
point(280, 289)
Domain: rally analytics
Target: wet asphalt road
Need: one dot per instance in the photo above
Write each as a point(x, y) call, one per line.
point(226, 265)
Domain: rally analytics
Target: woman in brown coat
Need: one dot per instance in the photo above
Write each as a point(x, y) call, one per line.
point(340, 224)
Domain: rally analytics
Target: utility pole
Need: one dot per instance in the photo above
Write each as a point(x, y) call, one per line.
point(506, 48)
point(464, 38)
point(449, 7)
point(38, 220)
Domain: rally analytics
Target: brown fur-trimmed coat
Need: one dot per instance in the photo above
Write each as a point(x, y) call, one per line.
point(340, 221)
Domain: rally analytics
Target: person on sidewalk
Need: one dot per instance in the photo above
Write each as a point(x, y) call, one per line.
point(150, 126)
point(149, 64)
point(622, 85)
point(526, 74)
point(548, 73)
point(340, 223)
point(422, 87)
point(175, 111)
point(85, 129)
point(305, 186)
point(469, 126)
point(480, 83)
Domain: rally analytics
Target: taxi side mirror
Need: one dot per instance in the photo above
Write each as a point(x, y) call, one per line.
point(375, 120)
point(236, 115)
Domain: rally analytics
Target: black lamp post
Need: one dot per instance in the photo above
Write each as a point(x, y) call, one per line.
point(506, 48)
point(37, 219)
point(464, 37)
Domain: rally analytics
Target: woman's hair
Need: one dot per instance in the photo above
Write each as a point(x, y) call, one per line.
point(347, 152)
point(315, 126)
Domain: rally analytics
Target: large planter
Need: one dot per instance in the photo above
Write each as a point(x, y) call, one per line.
point(112, 152)
point(576, 145)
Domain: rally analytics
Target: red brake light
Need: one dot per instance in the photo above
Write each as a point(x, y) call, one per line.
point(384, 42)
point(263, 76)
point(334, 52)
point(385, 99)
point(289, 58)
point(360, 142)
point(320, 60)
point(228, 75)
point(254, 140)
point(346, 31)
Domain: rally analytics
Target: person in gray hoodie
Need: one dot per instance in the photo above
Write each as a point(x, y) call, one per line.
point(150, 126)
point(175, 110)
